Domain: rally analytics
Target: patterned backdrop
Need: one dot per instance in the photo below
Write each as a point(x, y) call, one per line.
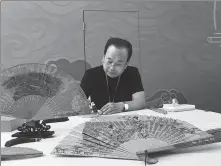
point(174, 52)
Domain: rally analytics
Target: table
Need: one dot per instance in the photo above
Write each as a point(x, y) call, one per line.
point(197, 156)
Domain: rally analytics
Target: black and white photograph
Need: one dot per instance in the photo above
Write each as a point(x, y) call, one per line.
point(100, 82)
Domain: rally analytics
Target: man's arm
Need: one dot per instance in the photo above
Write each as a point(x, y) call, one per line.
point(138, 101)
point(138, 95)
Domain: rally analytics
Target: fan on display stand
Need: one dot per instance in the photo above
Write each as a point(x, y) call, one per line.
point(38, 92)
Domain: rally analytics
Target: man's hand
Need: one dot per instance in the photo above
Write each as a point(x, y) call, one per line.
point(111, 108)
point(156, 103)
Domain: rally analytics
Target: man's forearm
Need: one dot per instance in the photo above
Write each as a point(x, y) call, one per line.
point(134, 105)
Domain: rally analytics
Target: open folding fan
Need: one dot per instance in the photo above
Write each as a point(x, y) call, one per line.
point(123, 136)
point(37, 92)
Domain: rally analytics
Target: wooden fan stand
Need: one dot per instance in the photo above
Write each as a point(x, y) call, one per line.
point(34, 129)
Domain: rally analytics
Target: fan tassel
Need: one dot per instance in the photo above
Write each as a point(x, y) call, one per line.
point(144, 157)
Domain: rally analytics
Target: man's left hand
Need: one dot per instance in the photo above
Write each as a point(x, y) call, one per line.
point(111, 108)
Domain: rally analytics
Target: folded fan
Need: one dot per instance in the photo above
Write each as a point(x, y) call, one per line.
point(121, 136)
point(10, 153)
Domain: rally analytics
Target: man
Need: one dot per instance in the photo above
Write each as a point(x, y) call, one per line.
point(114, 86)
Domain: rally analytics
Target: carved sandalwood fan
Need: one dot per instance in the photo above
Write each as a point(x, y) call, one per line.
point(37, 92)
point(124, 136)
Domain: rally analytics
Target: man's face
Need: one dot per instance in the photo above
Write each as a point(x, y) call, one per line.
point(115, 61)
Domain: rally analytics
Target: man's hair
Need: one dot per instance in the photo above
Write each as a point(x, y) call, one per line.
point(119, 43)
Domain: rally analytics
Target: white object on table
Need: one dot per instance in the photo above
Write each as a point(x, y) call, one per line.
point(178, 107)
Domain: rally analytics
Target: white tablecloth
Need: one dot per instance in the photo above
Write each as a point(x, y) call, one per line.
point(207, 155)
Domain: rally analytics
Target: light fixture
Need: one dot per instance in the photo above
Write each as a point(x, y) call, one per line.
point(217, 38)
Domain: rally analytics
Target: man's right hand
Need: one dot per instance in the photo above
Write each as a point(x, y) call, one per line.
point(112, 108)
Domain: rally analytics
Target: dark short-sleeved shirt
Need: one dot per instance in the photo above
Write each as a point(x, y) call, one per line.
point(94, 84)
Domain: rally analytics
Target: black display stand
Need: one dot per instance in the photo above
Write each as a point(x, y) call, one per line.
point(34, 129)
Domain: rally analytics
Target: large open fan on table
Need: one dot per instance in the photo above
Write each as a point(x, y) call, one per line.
point(123, 136)
point(37, 92)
